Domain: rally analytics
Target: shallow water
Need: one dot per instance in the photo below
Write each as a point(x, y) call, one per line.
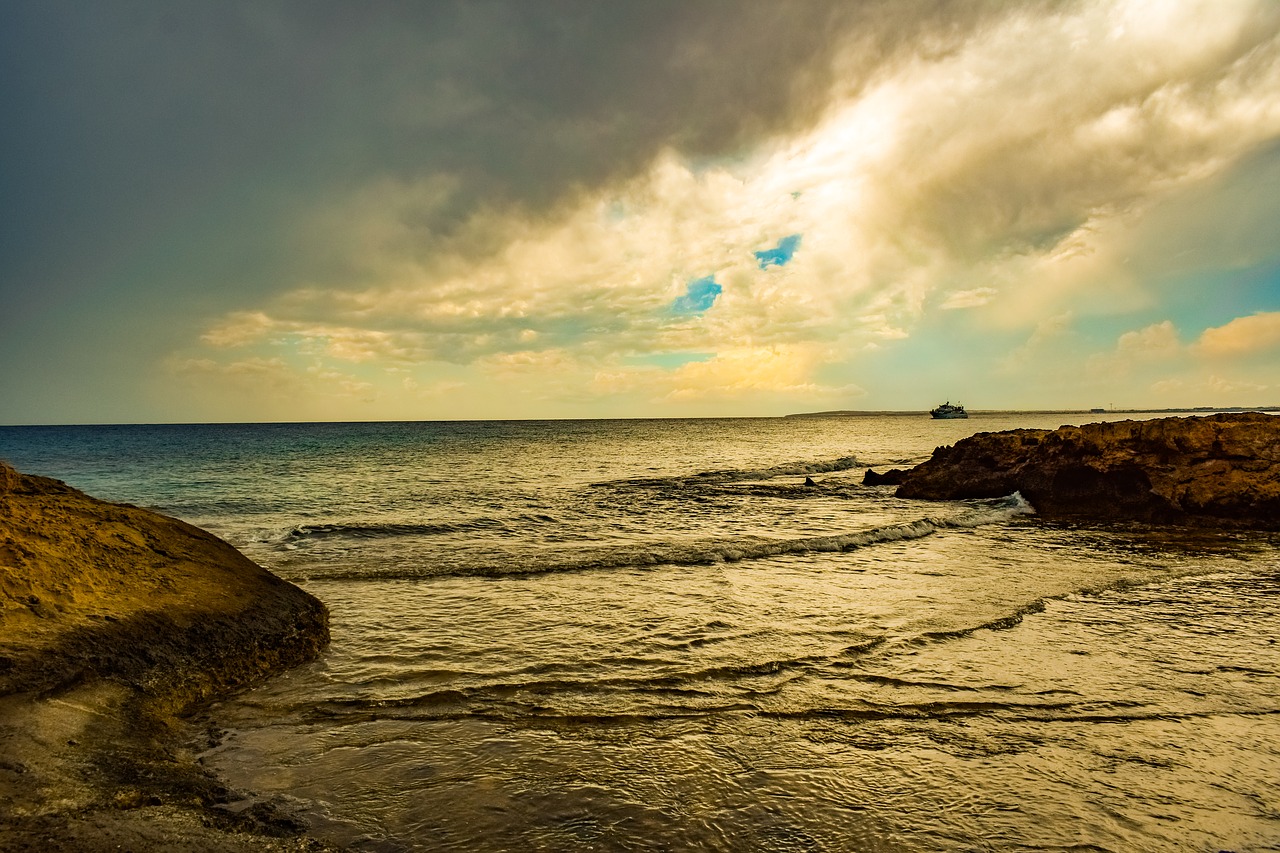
point(651, 635)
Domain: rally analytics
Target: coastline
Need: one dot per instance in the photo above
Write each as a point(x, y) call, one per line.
point(913, 413)
point(1217, 470)
point(617, 707)
point(115, 624)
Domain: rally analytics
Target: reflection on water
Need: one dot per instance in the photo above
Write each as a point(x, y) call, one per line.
point(821, 702)
point(655, 636)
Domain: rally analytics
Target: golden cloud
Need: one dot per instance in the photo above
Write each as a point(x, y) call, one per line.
point(1243, 336)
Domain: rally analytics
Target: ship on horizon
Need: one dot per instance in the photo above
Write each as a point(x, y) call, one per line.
point(947, 411)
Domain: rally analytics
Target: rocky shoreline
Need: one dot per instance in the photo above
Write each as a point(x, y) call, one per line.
point(115, 623)
point(1217, 471)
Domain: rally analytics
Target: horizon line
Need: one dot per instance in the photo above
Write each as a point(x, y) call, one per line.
point(825, 413)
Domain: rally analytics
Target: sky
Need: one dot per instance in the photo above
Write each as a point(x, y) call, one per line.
point(311, 210)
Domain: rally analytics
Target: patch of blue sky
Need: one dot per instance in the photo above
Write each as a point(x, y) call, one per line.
point(1207, 298)
point(780, 255)
point(700, 294)
point(670, 360)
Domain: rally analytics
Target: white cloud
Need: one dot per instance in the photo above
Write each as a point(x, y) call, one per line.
point(1157, 342)
point(1233, 386)
point(1152, 347)
point(749, 371)
point(1211, 390)
point(1243, 336)
point(975, 298)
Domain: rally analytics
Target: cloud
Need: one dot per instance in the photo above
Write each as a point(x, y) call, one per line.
point(740, 373)
point(1234, 386)
point(529, 362)
point(238, 329)
point(1011, 159)
point(274, 376)
point(256, 374)
point(1156, 342)
point(748, 371)
point(1152, 347)
point(975, 298)
point(1210, 389)
point(1243, 336)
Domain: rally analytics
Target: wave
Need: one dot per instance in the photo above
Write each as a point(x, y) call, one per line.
point(894, 681)
point(525, 697)
point(730, 475)
point(985, 511)
point(333, 713)
point(296, 534)
point(357, 530)
point(937, 710)
point(705, 552)
point(509, 705)
point(1002, 623)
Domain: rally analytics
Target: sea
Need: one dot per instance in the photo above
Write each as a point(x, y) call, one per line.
point(709, 635)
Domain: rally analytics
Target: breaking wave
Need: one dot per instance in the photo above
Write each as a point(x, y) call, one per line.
point(703, 552)
point(731, 475)
point(337, 530)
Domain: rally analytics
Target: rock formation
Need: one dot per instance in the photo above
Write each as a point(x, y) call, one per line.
point(892, 477)
point(114, 620)
point(1219, 470)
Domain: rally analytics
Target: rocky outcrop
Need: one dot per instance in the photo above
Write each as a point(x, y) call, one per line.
point(91, 588)
point(892, 477)
point(114, 621)
point(1220, 470)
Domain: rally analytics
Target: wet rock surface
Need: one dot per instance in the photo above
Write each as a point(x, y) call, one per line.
point(114, 622)
point(1219, 470)
point(892, 477)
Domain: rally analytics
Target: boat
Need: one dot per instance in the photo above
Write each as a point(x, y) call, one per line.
point(948, 411)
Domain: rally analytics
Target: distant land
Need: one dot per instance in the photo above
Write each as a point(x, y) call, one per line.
point(1195, 410)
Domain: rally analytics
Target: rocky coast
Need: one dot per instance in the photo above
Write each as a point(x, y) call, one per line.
point(1219, 471)
point(115, 623)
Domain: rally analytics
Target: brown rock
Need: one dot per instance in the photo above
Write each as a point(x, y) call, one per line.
point(113, 621)
point(892, 477)
point(90, 588)
point(1221, 470)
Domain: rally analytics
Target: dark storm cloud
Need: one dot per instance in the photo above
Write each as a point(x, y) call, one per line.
point(158, 157)
point(124, 119)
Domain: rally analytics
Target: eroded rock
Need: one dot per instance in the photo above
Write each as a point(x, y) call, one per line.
point(892, 477)
point(91, 588)
point(1220, 470)
point(114, 620)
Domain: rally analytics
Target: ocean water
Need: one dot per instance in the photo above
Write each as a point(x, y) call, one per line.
point(652, 635)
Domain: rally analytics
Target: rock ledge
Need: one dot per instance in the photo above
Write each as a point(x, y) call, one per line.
point(1220, 470)
point(114, 621)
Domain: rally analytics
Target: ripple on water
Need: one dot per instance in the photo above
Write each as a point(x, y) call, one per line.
point(825, 702)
